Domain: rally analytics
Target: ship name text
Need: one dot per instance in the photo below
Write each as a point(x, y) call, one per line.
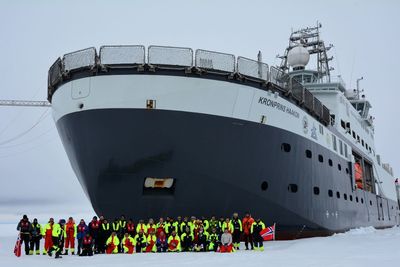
point(275, 104)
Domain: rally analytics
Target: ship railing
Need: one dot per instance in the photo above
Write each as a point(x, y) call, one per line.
point(252, 69)
point(215, 62)
point(170, 57)
point(121, 56)
point(81, 59)
point(183, 58)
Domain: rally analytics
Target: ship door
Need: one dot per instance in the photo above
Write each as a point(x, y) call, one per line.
point(380, 208)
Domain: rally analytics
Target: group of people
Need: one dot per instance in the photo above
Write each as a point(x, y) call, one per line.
point(124, 236)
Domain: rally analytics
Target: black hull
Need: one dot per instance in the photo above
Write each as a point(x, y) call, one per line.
point(219, 165)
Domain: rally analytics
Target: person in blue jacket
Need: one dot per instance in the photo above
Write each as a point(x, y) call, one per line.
point(81, 231)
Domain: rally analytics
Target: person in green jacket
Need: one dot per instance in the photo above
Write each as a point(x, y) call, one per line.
point(255, 230)
point(112, 244)
point(58, 239)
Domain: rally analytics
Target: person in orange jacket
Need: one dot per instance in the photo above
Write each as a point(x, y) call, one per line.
point(248, 237)
point(47, 231)
point(70, 235)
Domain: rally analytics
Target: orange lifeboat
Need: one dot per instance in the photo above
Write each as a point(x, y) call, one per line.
point(358, 175)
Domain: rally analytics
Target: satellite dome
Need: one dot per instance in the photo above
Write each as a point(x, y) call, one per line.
point(298, 56)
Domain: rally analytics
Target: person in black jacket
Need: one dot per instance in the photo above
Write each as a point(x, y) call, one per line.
point(103, 235)
point(36, 235)
point(25, 230)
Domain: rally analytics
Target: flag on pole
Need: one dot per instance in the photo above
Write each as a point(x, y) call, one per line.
point(268, 233)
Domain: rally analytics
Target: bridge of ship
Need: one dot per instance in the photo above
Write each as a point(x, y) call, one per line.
point(189, 63)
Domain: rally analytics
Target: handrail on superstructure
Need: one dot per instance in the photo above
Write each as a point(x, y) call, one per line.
point(237, 69)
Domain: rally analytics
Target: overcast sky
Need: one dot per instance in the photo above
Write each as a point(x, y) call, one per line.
point(34, 169)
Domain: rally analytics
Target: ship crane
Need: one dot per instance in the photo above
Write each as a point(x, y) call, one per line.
point(25, 103)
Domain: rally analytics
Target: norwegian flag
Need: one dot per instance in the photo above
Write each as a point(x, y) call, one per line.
point(268, 233)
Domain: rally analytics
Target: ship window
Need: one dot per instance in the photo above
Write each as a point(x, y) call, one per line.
point(370, 151)
point(370, 203)
point(345, 196)
point(292, 188)
point(380, 205)
point(338, 194)
point(362, 142)
point(343, 124)
point(330, 162)
point(358, 138)
point(345, 150)
point(339, 167)
point(334, 142)
point(354, 134)
point(347, 170)
point(321, 129)
point(316, 190)
point(285, 147)
point(362, 200)
point(341, 147)
point(264, 186)
point(357, 199)
point(320, 158)
point(351, 198)
point(330, 193)
point(308, 154)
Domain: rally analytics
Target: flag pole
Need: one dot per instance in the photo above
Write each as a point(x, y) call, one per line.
point(274, 230)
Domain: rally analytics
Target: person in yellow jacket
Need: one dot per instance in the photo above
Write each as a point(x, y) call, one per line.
point(255, 230)
point(227, 224)
point(112, 244)
point(128, 244)
point(151, 242)
point(70, 235)
point(57, 238)
point(141, 226)
point(174, 242)
point(47, 230)
point(237, 228)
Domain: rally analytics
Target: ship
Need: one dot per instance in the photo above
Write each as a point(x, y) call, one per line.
point(169, 131)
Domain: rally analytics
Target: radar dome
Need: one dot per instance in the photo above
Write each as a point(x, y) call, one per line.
point(298, 56)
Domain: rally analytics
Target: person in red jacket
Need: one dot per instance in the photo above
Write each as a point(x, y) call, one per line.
point(248, 237)
point(87, 243)
point(130, 228)
point(94, 227)
point(70, 235)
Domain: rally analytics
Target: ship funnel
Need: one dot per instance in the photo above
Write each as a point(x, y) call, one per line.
point(298, 57)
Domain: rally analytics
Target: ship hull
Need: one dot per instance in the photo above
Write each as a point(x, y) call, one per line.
point(220, 165)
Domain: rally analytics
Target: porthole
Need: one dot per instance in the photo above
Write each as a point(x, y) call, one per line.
point(292, 188)
point(370, 202)
point(330, 193)
point(357, 199)
point(330, 162)
point(339, 167)
point(264, 186)
point(345, 196)
point(362, 201)
point(316, 190)
point(320, 158)
point(81, 105)
point(285, 147)
point(308, 154)
point(351, 197)
point(338, 194)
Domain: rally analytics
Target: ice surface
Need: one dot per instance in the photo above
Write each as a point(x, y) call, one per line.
point(360, 247)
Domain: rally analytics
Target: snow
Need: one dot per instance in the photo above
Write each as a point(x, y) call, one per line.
point(359, 247)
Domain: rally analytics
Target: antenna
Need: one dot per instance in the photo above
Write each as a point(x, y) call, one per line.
point(358, 91)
